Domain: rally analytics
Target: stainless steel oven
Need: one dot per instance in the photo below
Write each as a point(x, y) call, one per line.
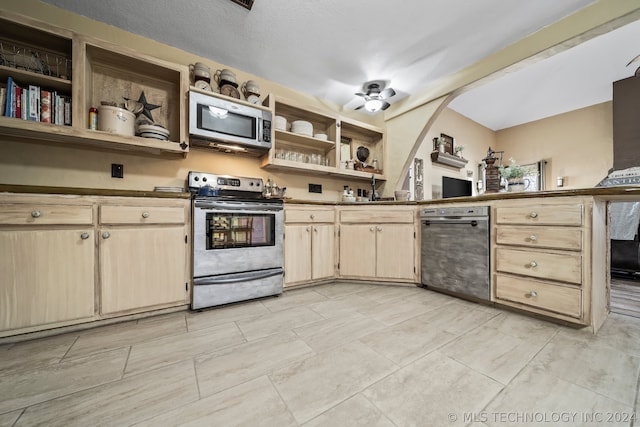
point(237, 240)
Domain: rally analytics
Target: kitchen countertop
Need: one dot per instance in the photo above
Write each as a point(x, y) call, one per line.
point(606, 193)
point(37, 189)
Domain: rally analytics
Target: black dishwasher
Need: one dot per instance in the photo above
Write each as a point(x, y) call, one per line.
point(455, 250)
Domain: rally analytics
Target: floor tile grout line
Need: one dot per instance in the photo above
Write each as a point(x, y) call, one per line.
point(284, 402)
point(195, 373)
point(22, 411)
point(69, 349)
point(126, 362)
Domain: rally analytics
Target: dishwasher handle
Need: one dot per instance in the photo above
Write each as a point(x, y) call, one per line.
point(472, 222)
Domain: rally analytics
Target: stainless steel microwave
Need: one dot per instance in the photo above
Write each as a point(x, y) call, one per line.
point(228, 126)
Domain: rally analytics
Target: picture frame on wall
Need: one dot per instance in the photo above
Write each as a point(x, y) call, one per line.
point(448, 143)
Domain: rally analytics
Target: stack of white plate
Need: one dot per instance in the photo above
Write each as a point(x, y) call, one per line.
point(302, 127)
point(281, 123)
point(153, 131)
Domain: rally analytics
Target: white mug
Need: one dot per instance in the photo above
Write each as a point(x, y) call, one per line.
point(225, 74)
point(250, 87)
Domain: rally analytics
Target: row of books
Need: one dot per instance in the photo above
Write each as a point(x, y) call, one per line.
point(34, 103)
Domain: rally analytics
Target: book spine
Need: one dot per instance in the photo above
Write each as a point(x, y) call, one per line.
point(34, 103)
point(17, 103)
point(60, 110)
point(45, 106)
point(3, 100)
point(67, 111)
point(9, 102)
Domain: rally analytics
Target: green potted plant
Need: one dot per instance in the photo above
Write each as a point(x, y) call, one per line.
point(458, 150)
point(514, 174)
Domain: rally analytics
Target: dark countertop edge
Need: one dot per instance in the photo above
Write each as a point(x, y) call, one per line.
point(37, 189)
point(602, 192)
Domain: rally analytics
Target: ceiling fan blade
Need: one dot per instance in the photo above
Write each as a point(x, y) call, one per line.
point(385, 105)
point(364, 95)
point(387, 93)
point(359, 107)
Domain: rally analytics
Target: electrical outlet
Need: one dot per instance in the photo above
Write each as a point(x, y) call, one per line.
point(117, 170)
point(315, 188)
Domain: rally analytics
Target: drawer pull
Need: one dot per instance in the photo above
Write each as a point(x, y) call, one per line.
point(145, 214)
point(106, 235)
point(533, 238)
point(84, 236)
point(533, 214)
point(36, 214)
point(533, 264)
point(532, 294)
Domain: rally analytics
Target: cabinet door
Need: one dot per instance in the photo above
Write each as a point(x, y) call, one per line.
point(358, 250)
point(142, 267)
point(323, 251)
point(46, 276)
point(395, 251)
point(297, 253)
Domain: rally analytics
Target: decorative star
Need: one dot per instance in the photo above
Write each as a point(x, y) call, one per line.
point(146, 107)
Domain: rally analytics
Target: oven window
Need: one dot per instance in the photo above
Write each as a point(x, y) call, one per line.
point(240, 230)
point(230, 124)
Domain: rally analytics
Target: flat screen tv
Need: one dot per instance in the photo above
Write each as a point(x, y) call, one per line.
point(454, 187)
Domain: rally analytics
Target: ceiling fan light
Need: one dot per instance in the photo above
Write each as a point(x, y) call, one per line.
point(373, 105)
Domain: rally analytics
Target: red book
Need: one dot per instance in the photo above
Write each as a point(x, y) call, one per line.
point(18, 101)
point(45, 106)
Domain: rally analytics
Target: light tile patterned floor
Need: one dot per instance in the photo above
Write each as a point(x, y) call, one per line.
point(343, 354)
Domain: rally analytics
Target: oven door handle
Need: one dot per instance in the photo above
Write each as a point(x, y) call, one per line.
point(236, 278)
point(472, 222)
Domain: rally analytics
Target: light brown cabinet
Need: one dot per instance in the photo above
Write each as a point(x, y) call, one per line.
point(143, 256)
point(378, 244)
point(74, 259)
point(309, 244)
point(543, 258)
point(89, 71)
point(47, 266)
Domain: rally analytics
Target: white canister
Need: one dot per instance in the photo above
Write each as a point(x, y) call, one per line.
point(116, 120)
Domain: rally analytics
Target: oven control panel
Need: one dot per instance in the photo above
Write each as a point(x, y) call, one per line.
point(224, 182)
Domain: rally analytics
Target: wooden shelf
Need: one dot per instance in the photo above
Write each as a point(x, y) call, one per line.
point(287, 137)
point(24, 77)
point(67, 135)
point(448, 159)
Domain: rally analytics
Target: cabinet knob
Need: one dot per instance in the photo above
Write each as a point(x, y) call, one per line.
point(532, 294)
point(84, 236)
point(36, 214)
point(145, 214)
point(533, 214)
point(106, 235)
point(308, 229)
point(379, 228)
point(533, 237)
point(311, 216)
point(533, 264)
point(315, 229)
point(372, 229)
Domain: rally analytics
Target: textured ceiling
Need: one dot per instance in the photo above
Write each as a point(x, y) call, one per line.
point(329, 48)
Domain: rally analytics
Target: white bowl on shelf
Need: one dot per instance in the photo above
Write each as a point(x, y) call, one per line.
point(302, 127)
point(280, 123)
point(323, 136)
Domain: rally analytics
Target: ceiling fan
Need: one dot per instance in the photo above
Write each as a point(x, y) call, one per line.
point(375, 95)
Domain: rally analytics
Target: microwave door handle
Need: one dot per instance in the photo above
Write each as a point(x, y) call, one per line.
point(260, 132)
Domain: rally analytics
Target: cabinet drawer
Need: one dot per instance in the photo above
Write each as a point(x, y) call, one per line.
point(540, 237)
point(547, 296)
point(371, 216)
point(566, 214)
point(564, 267)
point(142, 215)
point(20, 214)
point(309, 215)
